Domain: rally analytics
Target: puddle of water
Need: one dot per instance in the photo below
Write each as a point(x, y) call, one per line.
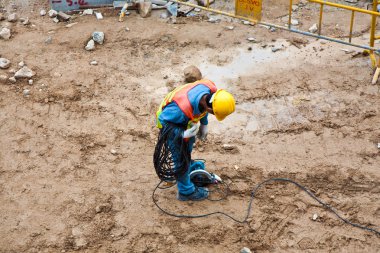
point(243, 63)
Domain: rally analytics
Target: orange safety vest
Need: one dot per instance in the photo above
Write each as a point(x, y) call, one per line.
point(181, 98)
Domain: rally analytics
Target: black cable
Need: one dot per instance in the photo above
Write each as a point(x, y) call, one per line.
point(251, 201)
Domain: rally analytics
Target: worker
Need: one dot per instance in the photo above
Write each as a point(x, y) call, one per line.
point(186, 107)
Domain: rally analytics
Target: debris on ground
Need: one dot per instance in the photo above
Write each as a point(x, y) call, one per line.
point(113, 151)
point(63, 16)
point(21, 64)
point(88, 12)
point(4, 63)
point(24, 72)
point(315, 216)
point(98, 37)
point(204, 2)
point(56, 20)
point(94, 63)
point(30, 81)
point(12, 17)
point(90, 45)
point(12, 79)
point(276, 48)
point(245, 250)
point(26, 92)
point(52, 13)
point(3, 78)
point(5, 33)
point(229, 27)
point(298, 42)
point(25, 21)
point(144, 9)
point(71, 24)
point(98, 15)
point(313, 28)
point(42, 12)
point(192, 74)
point(48, 40)
point(103, 208)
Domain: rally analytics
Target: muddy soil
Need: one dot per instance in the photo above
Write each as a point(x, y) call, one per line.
point(76, 170)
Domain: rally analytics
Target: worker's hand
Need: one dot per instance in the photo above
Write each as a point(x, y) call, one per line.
point(203, 130)
point(191, 132)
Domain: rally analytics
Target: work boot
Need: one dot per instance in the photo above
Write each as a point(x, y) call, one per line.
point(200, 193)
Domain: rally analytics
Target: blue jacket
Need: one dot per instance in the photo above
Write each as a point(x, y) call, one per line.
point(173, 114)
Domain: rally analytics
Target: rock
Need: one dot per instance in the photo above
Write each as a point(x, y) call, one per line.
point(294, 22)
point(275, 49)
point(42, 12)
point(12, 71)
point(94, 63)
point(48, 40)
point(251, 39)
point(378, 145)
point(12, 79)
point(55, 20)
point(26, 92)
point(12, 17)
point(52, 13)
point(113, 151)
point(103, 208)
point(272, 29)
point(30, 81)
point(5, 33)
point(315, 216)
point(3, 78)
point(352, 1)
point(26, 21)
point(313, 28)
point(245, 22)
point(245, 250)
point(98, 37)
point(90, 45)
point(192, 74)
point(213, 19)
point(294, 7)
point(229, 147)
point(2, 16)
point(145, 9)
point(4, 63)
point(229, 27)
point(21, 64)
point(88, 12)
point(127, 29)
point(63, 16)
point(204, 2)
point(24, 72)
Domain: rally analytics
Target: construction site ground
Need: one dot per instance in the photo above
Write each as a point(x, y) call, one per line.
point(76, 170)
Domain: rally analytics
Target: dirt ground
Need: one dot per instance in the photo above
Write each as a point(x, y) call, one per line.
point(306, 112)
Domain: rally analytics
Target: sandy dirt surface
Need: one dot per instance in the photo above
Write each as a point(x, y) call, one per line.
point(306, 112)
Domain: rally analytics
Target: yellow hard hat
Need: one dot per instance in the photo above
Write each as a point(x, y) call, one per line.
point(223, 104)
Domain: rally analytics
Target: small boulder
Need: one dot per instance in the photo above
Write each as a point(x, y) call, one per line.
point(26, 21)
point(3, 78)
point(26, 92)
point(94, 63)
point(245, 250)
point(56, 20)
point(145, 9)
point(24, 72)
point(192, 74)
point(53, 13)
point(12, 79)
point(63, 16)
point(5, 33)
point(4, 63)
point(90, 45)
point(313, 28)
point(98, 37)
point(42, 12)
point(12, 17)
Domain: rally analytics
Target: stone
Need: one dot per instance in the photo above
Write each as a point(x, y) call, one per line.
point(30, 81)
point(313, 28)
point(63, 16)
point(103, 208)
point(94, 63)
point(315, 216)
point(245, 22)
point(272, 29)
point(3, 78)
point(90, 45)
point(127, 29)
point(230, 27)
point(52, 13)
point(294, 7)
point(42, 12)
point(12, 79)
point(251, 39)
point(294, 22)
point(113, 151)
point(145, 9)
point(5, 33)
point(229, 147)
point(275, 49)
point(26, 92)
point(192, 74)
point(204, 2)
point(352, 1)
point(21, 64)
point(48, 40)
point(26, 21)
point(213, 19)
point(24, 72)
point(2, 16)
point(4, 63)
point(55, 20)
point(98, 37)
point(88, 12)
point(245, 250)
point(12, 17)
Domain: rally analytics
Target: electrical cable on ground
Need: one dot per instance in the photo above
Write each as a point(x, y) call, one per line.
point(249, 209)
